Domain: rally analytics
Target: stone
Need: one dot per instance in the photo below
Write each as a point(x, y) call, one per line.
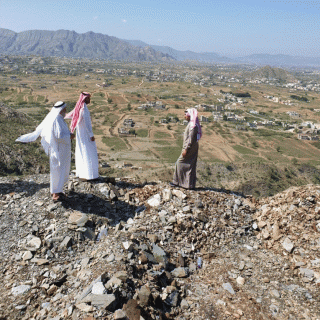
point(144, 295)
point(113, 282)
point(67, 242)
point(186, 209)
point(227, 286)
point(128, 245)
point(42, 262)
point(27, 255)
point(208, 255)
point(159, 254)
point(143, 258)
point(172, 220)
point(265, 233)
point(181, 261)
point(179, 194)
point(21, 307)
point(111, 258)
point(241, 265)
point(32, 243)
point(166, 194)
point(85, 262)
point(172, 299)
point(276, 233)
point(105, 301)
point(240, 281)
point(154, 201)
point(114, 193)
point(308, 273)
point(78, 218)
point(287, 245)
point(199, 204)
point(261, 224)
point(192, 267)
point(184, 304)
point(20, 290)
point(84, 307)
point(121, 275)
point(275, 293)
point(89, 234)
point(98, 288)
point(119, 315)
point(51, 291)
point(180, 272)
point(132, 310)
point(52, 207)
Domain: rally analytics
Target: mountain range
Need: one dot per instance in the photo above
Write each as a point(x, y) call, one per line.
point(65, 43)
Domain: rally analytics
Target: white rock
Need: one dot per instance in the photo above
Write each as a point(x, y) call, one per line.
point(227, 286)
point(113, 282)
point(27, 255)
point(154, 201)
point(167, 194)
point(98, 288)
point(128, 245)
point(20, 290)
point(220, 302)
point(240, 281)
point(179, 194)
point(275, 293)
point(33, 243)
point(308, 273)
point(287, 245)
point(84, 307)
point(111, 257)
point(119, 315)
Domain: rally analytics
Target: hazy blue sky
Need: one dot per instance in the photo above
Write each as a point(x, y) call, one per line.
point(226, 27)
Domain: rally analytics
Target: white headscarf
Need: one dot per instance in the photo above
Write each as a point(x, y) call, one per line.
point(45, 130)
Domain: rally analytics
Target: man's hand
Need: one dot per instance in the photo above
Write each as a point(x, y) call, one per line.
point(72, 136)
point(184, 153)
point(92, 139)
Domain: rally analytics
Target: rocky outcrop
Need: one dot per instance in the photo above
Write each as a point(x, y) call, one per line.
point(117, 250)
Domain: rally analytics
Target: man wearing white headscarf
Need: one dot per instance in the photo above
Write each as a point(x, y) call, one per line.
point(55, 140)
point(185, 168)
point(87, 163)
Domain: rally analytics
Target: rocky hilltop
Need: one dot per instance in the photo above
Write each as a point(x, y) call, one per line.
point(268, 72)
point(118, 250)
point(65, 43)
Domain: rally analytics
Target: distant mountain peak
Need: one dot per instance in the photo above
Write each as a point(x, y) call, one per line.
point(65, 43)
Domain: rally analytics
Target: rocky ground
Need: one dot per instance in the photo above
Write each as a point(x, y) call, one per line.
point(118, 250)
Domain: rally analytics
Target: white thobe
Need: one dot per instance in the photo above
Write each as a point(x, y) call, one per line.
point(87, 164)
point(60, 168)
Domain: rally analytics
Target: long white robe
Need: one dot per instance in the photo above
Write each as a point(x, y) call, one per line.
point(87, 164)
point(60, 168)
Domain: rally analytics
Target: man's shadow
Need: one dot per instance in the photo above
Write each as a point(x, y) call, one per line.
point(100, 207)
point(29, 188)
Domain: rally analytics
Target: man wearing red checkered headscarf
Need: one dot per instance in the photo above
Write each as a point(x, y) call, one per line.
point(87, 165)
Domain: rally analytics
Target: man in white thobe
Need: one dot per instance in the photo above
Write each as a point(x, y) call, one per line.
point(55, 140)
point(87, 164)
